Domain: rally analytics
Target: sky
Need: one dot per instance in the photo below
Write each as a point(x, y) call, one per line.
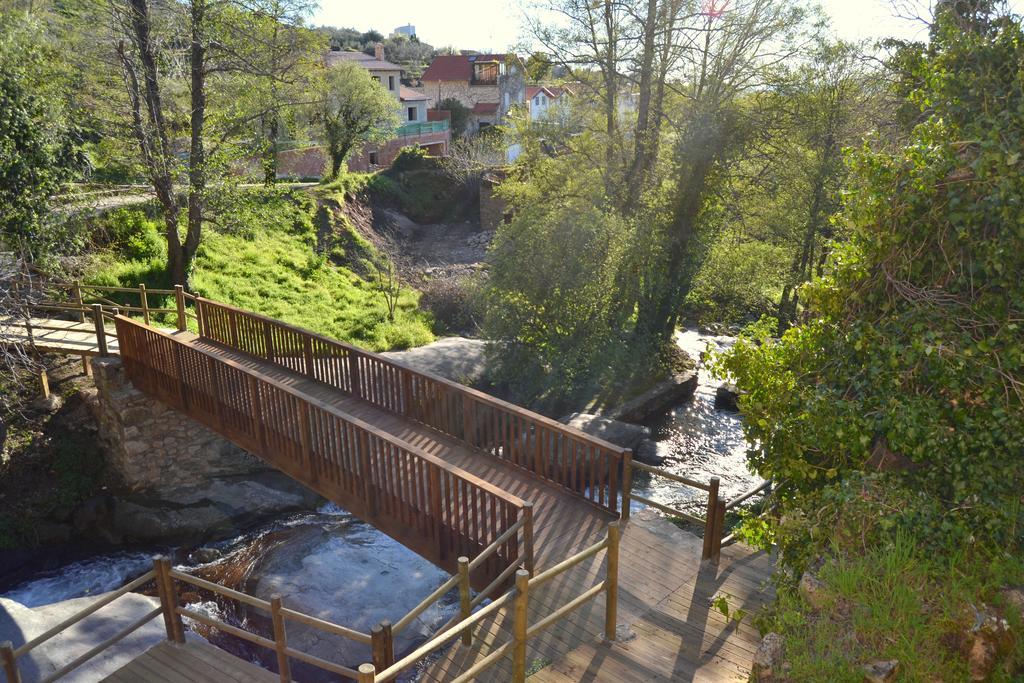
point(498, 24)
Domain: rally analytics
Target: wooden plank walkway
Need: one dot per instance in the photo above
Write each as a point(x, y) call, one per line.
point(665, 595)
point(562, 521)
point(191, 662)
point(71, 337)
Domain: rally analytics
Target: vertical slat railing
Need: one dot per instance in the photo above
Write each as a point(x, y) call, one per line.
point(368, 471)
point(583, 464)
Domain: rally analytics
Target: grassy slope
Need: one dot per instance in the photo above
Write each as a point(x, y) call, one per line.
point(271, 267)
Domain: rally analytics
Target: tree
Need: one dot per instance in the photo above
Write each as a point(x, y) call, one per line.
point(355, 110)
point(226, 53)
point(37, 146)
point(538, 67)
point(460, 115)
point(909, 361)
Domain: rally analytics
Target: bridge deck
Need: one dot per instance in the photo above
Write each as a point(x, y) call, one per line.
point(191, 662)
point(56, 336)
point(561, 520)
point(665, 595)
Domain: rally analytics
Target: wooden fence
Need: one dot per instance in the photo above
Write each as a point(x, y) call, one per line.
point(586, 465)
point(380, 639)
point(432, 507)
point(713, 520)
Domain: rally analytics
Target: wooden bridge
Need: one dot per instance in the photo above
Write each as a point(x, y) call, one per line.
point(497, 495)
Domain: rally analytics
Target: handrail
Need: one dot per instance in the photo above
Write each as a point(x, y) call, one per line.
point(713, 521)
point(522, 630)
point(9, 654)
point(548, 449)
point(376, 475)
point(748, 495)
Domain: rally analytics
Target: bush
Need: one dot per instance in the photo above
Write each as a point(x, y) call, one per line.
point(738, 282)
point(412, 159)
point(132, 234)
point(455, 304)
point(460, 115)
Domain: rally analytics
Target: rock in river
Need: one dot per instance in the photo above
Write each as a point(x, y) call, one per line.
point(356, 579)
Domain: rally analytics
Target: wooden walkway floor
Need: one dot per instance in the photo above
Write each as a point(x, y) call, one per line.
point(192, 662)
point(72, 337)
point(562, 521)
point(665, 596)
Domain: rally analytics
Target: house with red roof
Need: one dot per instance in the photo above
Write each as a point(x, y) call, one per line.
point(416, 129)
point(546, 102)
point(489, 85)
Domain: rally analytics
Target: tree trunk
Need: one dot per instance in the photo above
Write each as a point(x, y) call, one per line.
point(197, 171)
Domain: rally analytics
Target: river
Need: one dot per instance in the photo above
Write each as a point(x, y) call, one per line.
point(344, 570)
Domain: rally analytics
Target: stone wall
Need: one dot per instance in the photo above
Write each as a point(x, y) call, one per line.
point(153, 447)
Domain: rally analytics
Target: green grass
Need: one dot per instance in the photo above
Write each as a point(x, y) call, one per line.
point(896, 602)
point(276, 271)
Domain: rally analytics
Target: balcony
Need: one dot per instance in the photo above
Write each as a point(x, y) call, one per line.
point(422, 127)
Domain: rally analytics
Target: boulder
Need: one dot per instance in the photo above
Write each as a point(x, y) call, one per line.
point(666, 394)
point(812, 590)
point(193, 514)
point(768, 658)
point(614, 431)
point(20, 624)
point(647, 453)
point(989, 639)
point(381, 580)
point(459, 359)
point(727, 398)
point(881, 671)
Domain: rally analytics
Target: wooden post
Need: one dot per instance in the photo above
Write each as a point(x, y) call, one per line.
point(10, 666)
point(465, 598)
point(611, 582)
point(44, 383)
point(528, 537)
point(168, 599)
point(519, 625)
point(280, 639)
point(76, 293)
point(144, 300)
point(179, 303)
point(101, 333)
point(353, 374)
point(716, 540)
point(367, 673)
point(468, 420)
point(307, 350)
point(627, 483)
point(709, 521)
point(383, 644)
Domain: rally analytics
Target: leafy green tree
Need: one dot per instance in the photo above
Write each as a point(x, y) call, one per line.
point(910, 358)
point(37, 146)
point(538, 67)
point(460, 115)
point(355, 110)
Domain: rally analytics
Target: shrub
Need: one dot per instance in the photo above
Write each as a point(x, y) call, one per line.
point(455, 304)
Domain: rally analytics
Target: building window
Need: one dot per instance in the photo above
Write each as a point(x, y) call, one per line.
point(374, 159)
point(391, 82)
point(412, 113)
point(536, 100)
point(485, 73)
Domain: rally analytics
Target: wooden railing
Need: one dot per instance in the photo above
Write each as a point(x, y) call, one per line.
point(713, 520)
point(586, 465)
point(518, 601)
point(429, 505)
point(10, 654)
point(79, 299)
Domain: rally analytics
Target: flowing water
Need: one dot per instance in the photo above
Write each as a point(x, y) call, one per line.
point(697, 440)
point(333, 551)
